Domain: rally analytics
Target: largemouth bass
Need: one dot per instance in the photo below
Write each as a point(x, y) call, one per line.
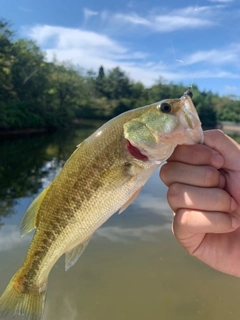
point(104, 175)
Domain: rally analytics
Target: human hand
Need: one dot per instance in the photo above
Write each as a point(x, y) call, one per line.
point(204, 193)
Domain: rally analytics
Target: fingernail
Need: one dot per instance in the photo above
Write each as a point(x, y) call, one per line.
point(235, 223)
point(233, 205)
point(217, 160)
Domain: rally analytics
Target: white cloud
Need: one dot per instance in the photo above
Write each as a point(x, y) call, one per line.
point(154, 205)
point(10, 237)
point(126, 235)
point(89, 13)
point(165, 23)
point(230, 89)
point(75, 38)
point(170, 21)
point(90, 49)
point(169, 24)
point(216, 74)
point(230, 54)
point(133, 19)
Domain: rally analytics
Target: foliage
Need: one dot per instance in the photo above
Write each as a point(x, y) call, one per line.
point(35, 93)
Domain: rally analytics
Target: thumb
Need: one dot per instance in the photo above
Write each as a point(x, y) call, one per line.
point(226, 146)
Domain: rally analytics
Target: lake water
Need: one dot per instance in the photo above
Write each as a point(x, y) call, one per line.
point(133, 268)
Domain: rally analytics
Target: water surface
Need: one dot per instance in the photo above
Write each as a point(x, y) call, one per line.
point(133, 267)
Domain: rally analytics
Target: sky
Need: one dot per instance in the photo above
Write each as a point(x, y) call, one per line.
point(190, 42)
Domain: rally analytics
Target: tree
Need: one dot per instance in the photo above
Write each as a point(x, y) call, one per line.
point(6, 59)
point(100, 82)
point(117, 84)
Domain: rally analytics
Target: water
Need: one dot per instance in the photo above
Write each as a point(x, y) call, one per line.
point(133, 268)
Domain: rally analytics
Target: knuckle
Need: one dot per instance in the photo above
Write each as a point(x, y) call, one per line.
point(181, 219)
point(174, 196)
point(174, 192)
point(221, 201)
point(164, 172)
point(218, 134)
point(210, 177)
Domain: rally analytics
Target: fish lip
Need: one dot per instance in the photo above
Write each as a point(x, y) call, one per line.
point(190, 121)
point(198, 136)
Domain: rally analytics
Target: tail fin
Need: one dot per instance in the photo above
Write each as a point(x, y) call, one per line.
point(28, 305)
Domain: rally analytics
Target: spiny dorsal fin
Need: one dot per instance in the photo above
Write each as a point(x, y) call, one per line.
point(29, 220)
point(73, 255)
point(133, 197)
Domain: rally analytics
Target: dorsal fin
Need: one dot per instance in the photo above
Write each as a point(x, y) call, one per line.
point(73, 255)
point(29, 220)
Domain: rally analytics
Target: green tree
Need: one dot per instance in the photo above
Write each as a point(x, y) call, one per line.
point(6, 59)
point(100, 82)
point(117, 84)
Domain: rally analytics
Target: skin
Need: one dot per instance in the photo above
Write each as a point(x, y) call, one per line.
point(204, 183)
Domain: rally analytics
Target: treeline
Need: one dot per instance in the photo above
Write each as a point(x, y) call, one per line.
point(35, 93)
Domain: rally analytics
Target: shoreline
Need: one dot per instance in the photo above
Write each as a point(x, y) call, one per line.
point(79, 123)
point(23, 131)
point(95, 123)
point(231, 128)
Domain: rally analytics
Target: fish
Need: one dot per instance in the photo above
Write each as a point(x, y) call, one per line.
point(104, 175)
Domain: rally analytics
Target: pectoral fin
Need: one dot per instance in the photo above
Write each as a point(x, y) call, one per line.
point(29, 220)
point(133, 197)
point(73, 255)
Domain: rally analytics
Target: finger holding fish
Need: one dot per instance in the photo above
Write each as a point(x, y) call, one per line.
point(196, 165)
point(198, 155)
point(202, 176)
point(206, 199)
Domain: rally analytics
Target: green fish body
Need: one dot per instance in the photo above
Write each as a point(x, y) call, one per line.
point(104, 175)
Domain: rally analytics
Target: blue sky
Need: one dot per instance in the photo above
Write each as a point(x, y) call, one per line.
point(190, 41)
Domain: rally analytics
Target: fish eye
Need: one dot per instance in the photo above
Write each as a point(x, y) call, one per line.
point(165, 107)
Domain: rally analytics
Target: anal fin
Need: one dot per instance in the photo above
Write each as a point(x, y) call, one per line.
point(73, 255)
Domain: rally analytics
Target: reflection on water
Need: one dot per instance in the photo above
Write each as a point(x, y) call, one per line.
point(133, 267)
point(29, 163)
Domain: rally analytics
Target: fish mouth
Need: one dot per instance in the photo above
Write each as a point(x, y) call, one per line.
point(190, 121)
point(135, 152)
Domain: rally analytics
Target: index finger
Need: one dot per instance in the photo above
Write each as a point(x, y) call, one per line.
point(226, 146)
point(197, 155)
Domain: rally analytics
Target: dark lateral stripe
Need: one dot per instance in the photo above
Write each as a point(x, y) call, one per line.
point(85, 187)
point(135, 152)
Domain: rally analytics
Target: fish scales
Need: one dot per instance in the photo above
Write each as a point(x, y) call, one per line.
point(104, 174)
point(97, 164)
